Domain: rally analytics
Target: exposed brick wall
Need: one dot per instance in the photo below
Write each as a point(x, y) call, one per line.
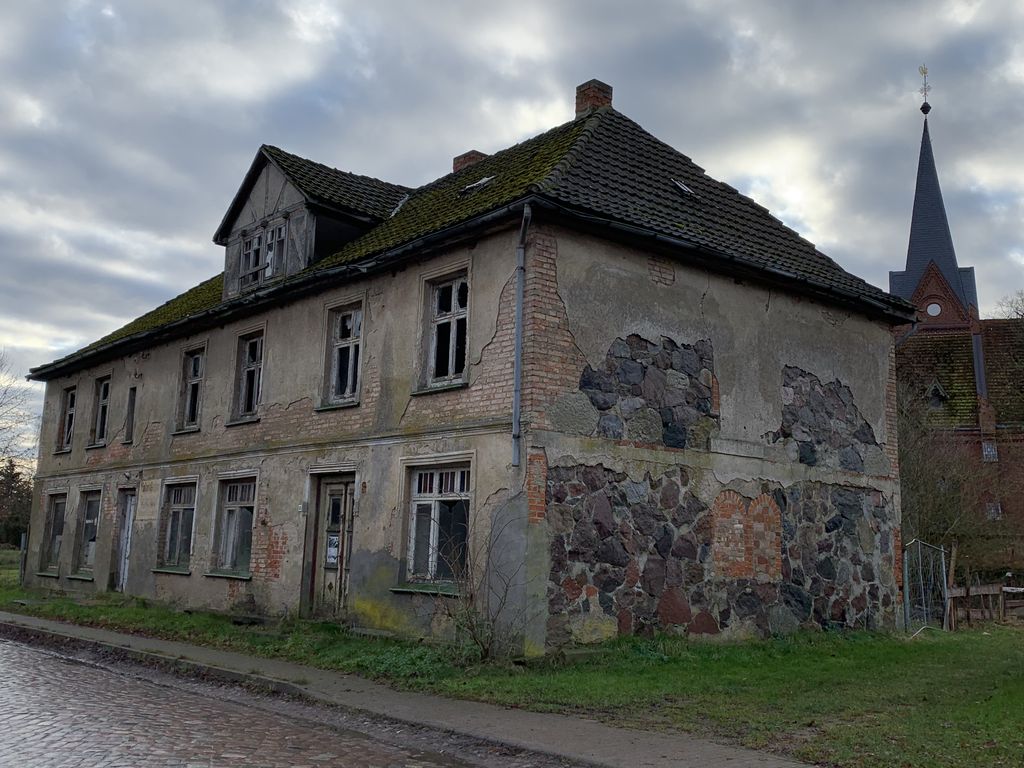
point(551, 360)
point(748, 537)
point(661, 270)
point(269, 548)
point(536, 484)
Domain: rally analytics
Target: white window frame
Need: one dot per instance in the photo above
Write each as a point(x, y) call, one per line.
point(69, 401)
point(177, 500)
point(227, 534)
point(262, 250)
point(191, 395)
point(431, 485)
point(437, 318)
point(338, 345)
point(101, 411)
point(245, 366)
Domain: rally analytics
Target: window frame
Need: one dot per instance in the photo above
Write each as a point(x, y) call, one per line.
point(101, 411)
point(435, 318)
point(49, 559)
point(190, 390)
point(129, 415)
point(242, 368)
point(335, 343)
point(168, 507)
point(69, 405)
point(461, 491)
point(85, 495)
point(226, 538)
point(269, 242)
point(989, 451)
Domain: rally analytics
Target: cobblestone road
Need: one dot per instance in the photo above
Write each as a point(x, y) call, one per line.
point(57, 712)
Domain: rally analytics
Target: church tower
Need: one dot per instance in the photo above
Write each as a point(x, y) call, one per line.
point(944, 292)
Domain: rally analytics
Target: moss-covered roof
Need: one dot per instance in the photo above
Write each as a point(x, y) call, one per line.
point(1004, 368)
point(947, 358)
point(601, 166)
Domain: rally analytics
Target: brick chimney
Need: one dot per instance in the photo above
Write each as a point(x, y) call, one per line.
point(592, 94)
point(467, 159)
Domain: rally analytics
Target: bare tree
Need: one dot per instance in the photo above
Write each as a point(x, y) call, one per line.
point(1012, 306)
point(16, 423)
point(944, 487)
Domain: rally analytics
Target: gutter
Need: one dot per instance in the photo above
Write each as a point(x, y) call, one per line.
point(517, 375)
point(297, 286)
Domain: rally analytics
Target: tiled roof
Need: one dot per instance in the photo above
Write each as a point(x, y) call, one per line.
point(361, 194)
point(1004, 368)
point(601, 165)
point(946, 357)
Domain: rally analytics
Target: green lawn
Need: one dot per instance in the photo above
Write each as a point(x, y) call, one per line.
point(853, 699)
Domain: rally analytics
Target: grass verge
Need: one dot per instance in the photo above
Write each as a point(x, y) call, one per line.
point(855, 700)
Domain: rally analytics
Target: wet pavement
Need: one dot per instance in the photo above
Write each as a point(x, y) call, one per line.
point(56, 711)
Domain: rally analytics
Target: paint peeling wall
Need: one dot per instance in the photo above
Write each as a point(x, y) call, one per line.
point(718, 455)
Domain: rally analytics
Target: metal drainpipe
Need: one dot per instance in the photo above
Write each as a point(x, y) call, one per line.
point(517, 373)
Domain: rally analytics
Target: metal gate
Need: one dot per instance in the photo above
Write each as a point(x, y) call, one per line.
point(925, 597)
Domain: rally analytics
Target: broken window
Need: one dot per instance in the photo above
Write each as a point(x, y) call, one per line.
point(449, 311)
point(343, 362)
point(54, 532)
point(129, 416)
point(989, 451)
point(67, 419)
point(89, 510)
point(234, 526)
point(191, 388)
point(439, 523)
point(178, 515)
point(263, 251)
point(250, 374)
point(101, 409)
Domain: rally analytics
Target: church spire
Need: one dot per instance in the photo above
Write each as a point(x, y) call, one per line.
point(930, 238)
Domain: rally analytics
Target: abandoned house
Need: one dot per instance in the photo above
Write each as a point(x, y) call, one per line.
point(969, 371)
point(577, 376)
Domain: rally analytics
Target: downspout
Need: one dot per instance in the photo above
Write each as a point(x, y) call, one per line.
point(517, 371)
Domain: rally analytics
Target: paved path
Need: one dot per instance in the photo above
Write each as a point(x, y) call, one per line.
point(573, 738)
point(59, 713)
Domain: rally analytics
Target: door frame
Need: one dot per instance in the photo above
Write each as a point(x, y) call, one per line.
point(317, 478)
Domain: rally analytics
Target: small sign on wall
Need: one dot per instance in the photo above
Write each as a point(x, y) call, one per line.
point(333, 547)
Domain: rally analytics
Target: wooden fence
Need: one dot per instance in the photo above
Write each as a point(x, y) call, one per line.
point(984, 602)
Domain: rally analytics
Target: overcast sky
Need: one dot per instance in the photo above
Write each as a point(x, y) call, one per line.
point(126, 127)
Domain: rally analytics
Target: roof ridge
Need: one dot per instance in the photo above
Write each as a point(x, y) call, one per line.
point(591, 120)
point(331, 168)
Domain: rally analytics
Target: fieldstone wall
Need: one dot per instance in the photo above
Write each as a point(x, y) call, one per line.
point(822, 425)
point(655, 392)
point(631, 556)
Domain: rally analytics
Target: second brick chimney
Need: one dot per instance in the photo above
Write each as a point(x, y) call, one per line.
point(467, 159)
point(592, 94)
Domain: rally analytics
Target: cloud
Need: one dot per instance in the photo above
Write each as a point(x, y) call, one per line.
point(126, 127)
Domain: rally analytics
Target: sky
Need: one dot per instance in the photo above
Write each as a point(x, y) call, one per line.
point(126, 127)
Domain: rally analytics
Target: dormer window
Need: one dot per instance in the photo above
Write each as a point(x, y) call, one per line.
point(262, 253)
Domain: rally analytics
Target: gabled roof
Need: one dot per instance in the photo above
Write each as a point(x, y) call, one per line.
point(930, 238)
point(601, 171)
point(361, 196)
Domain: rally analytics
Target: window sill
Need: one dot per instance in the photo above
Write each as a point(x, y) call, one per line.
point(336, 406)
point(80, 576)
point(242, 420)
point(61, 451)
point(442, 588)
point(186, 431)
point(94, 446)
point(229, 575)
point(127, 442)
point(175, 571)
point(440, 388)
point(48, 574)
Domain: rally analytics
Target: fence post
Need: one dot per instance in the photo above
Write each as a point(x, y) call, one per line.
point(906, 593)
point(945, 592)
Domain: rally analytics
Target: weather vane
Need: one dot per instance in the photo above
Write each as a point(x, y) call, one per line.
point(925, 89)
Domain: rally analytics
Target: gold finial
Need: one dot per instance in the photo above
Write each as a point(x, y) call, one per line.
point(925, 89)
